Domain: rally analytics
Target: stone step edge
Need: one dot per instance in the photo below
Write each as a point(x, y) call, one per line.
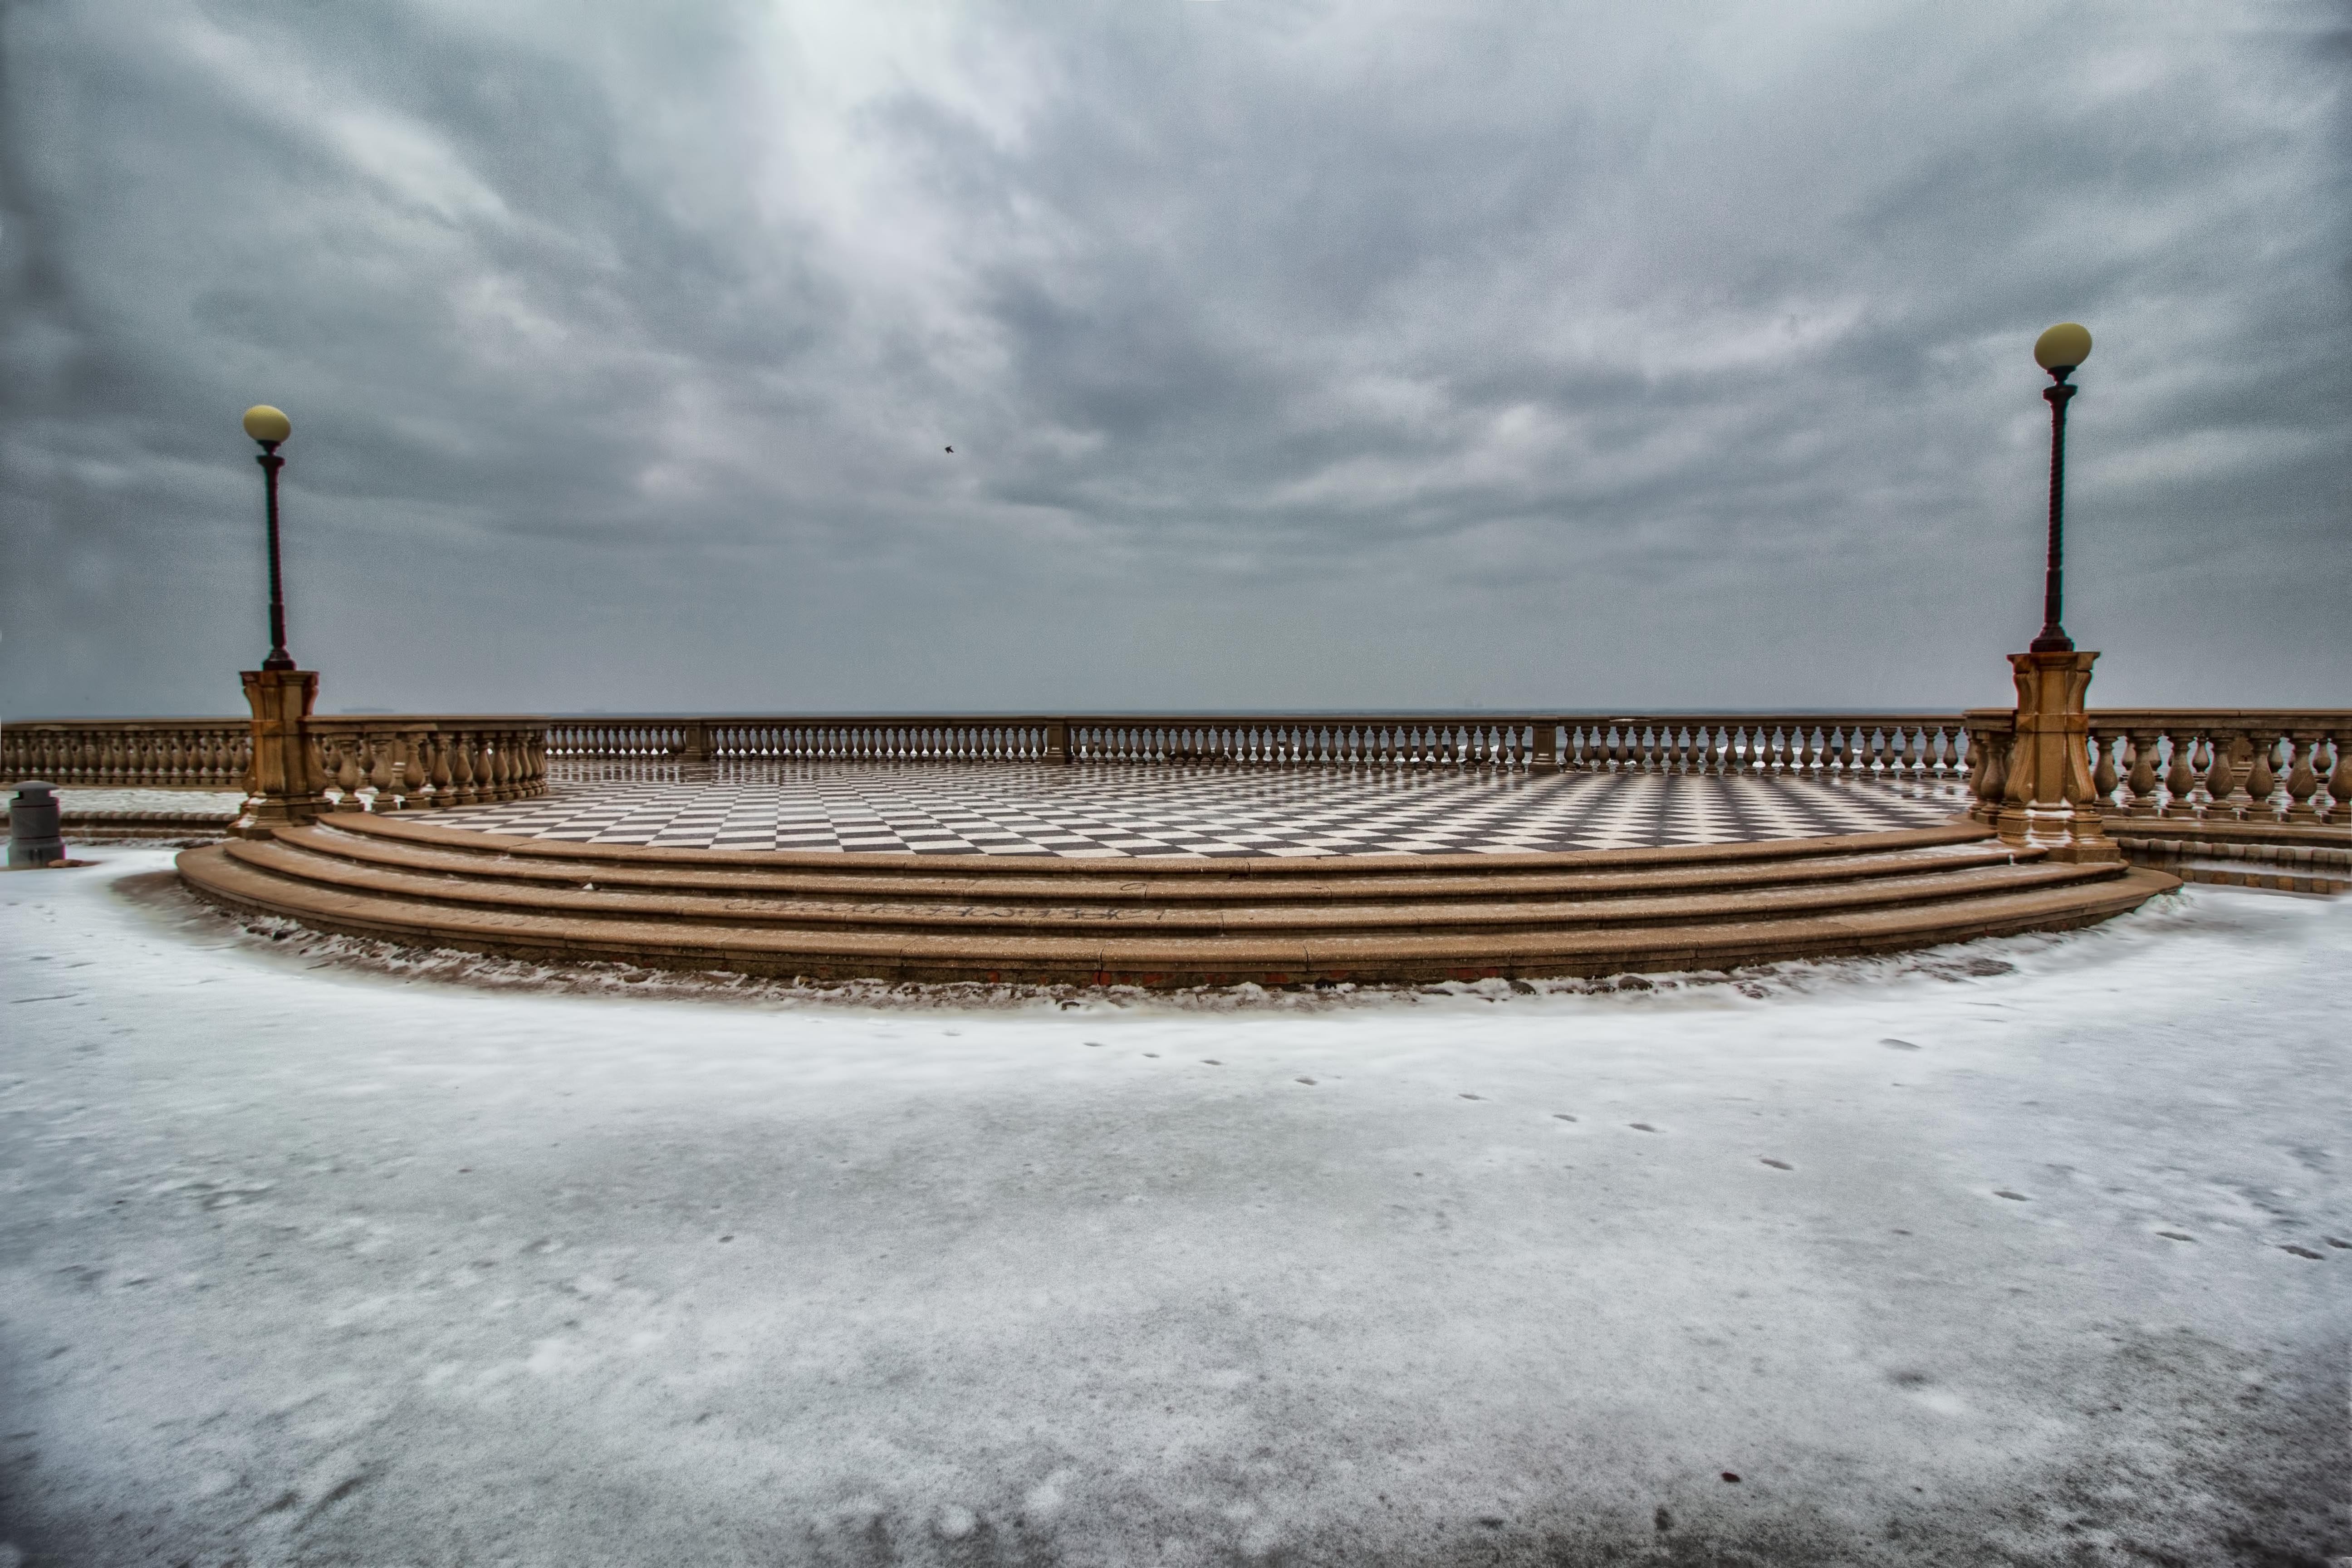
point(2278, 832)
point(465, 840)
point(1064, 960)
point(1502, 910)
point(1109, 883)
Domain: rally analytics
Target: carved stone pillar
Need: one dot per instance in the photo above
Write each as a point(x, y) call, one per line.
point(285, 788)
point(2049, 801)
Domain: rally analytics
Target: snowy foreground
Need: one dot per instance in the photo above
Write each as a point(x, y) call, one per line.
point(306, 1258)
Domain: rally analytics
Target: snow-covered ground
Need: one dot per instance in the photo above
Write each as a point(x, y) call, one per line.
point(75, 798)
point(305, 1260)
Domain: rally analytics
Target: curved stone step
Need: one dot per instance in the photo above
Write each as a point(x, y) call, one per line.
point(910, 917)
point(1508, 907)
point(962, 877)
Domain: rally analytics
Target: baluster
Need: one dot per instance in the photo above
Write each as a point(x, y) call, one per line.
point(2261, 781)
point(380, 772)
point(2339, 779)
point(459, 748)
point(2216, 773)
point(485, 749)
point(2104, 776)
point(348, 774)
point(2140, 783)
point(1988, 769)
point(482, 755)
point(413, 774)
point(2302, 779)
point(2180, 775)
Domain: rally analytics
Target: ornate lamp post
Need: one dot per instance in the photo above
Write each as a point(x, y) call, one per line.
point(2058, 351)
point(286, 787)
point(2046, 799)
point(270, 426)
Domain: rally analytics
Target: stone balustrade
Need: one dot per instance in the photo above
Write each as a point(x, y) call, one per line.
point(815, 739)
point(404, 757)
point(415, 763)
point(1915, 746)
point(2206, 765)
point(2247, 764)
point(129, 754)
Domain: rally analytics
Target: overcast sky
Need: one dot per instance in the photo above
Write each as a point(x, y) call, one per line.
point(1327, 355)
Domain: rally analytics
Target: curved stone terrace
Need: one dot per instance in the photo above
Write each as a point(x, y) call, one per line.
point(1180, 809)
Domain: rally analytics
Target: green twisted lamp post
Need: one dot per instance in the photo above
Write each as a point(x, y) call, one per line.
point(2049, 801)
point(286, 785)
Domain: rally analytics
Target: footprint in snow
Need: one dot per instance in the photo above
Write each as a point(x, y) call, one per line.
point(2013, 1197)
point(1641, 1127)
point(1307, 1081)
point(1898, 1045)
point(2175, 1235)
point(1780, 1165)
point(1561, 1116)
point(1473, 1097)
point(2300, 1251)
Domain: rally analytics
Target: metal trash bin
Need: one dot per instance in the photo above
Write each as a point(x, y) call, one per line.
point(32, 837)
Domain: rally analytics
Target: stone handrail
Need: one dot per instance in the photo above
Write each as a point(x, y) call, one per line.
point(2209, 765)
point(1881, 744)
point(2290, 765)
point(403, 757)
point(421, 762)
point(129, 754)
point(962, 739)
point(373, 763)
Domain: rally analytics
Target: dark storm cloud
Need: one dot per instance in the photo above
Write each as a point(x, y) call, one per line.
point(1292, 354)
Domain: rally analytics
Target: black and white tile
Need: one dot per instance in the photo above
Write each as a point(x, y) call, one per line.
point(1039, 809)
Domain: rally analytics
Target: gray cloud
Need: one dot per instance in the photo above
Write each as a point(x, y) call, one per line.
point(1294, 354)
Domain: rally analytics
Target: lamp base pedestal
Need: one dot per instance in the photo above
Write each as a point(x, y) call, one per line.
point(2049, 802)
point(285, 788)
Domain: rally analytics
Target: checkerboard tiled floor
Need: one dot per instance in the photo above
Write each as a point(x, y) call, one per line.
point(1028, 809)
